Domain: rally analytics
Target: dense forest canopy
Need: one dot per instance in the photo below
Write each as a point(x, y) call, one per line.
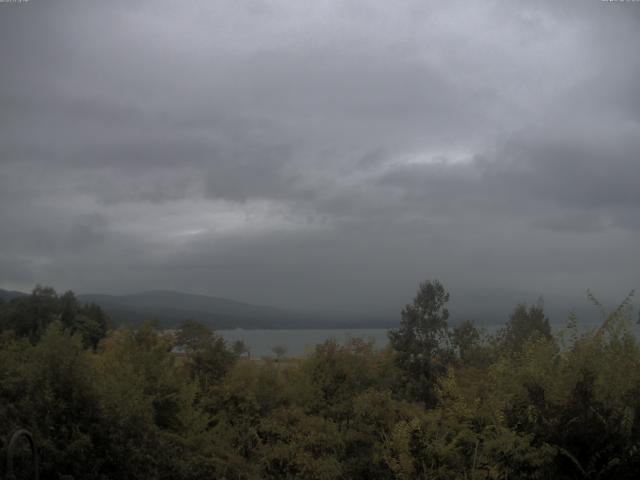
point(437, 402)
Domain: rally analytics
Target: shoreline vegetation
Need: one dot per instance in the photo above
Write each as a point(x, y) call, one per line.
point(436, 402)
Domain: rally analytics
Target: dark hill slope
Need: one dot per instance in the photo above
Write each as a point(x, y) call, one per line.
point(7, 295)
point(169, 308)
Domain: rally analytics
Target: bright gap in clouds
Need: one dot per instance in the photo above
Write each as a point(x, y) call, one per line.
point(181, 221)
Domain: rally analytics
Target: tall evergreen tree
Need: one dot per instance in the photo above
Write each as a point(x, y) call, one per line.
point(421, 343)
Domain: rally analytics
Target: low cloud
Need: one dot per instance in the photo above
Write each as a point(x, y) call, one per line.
point(329, 156)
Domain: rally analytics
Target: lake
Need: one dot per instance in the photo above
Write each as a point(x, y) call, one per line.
point(299, 342)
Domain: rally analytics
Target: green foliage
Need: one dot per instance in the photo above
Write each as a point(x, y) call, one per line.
point(336, 373)
point(472, 346)
point(437, 403)
point(297, 445)
point(91, 323)
point(29, 317)
point(149, 401)
point(208, 357)
point(524, 325)
point(420, 343)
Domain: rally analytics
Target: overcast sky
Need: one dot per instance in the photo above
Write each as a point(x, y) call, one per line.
point(321, 154)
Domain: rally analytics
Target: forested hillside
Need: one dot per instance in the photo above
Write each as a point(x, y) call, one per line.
point(437, 403)
point(167, 308)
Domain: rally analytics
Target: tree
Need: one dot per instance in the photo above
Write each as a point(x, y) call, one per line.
point(465, 338)
point(92, 323)
point(525, 324)
point(30, 316)
point(298, 445)
point(209, 358)
point(239, 348)
point(193, 336)
point(336, 374)
point(47, 388)
point(280, 351)
point(420, 344)
point(150, 427)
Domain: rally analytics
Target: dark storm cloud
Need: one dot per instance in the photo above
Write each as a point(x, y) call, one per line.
point(327, 155)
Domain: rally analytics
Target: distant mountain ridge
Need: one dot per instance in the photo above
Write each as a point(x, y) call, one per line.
point(171, 307)
point(168, 308)
point(11, 294)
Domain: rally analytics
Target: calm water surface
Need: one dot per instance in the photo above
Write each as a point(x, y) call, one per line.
point(298, 342)
point(301, 342)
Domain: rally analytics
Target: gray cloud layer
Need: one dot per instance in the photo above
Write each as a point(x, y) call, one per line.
point(326, 154)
